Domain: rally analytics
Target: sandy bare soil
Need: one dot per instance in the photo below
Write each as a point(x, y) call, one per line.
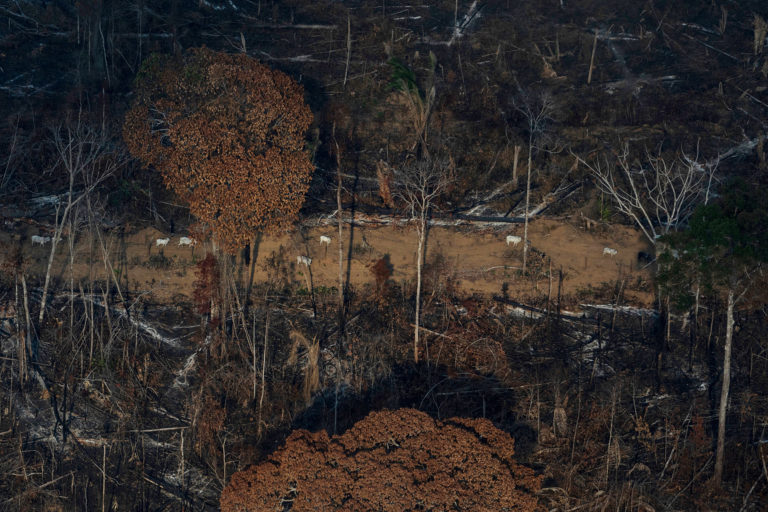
point(478, 260)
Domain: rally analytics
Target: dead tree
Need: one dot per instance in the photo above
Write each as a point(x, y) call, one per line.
point(340, 242)
point(659, 195)
point(420, 184)
point(537, 109)
point(87, 157)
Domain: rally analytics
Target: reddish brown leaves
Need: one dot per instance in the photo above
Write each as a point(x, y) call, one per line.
point(382, 271)
point(390, 461)
point(228, 135)
point(206, 284)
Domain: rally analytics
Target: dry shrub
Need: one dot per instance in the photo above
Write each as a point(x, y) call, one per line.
point(209, 423)
point(700, 441)
point(390, 461)
point(384, 175)
point(693, 456)
point(382, 271)
point(311, 362)
point(468, 352)
point(439, 277)
point(206, 285)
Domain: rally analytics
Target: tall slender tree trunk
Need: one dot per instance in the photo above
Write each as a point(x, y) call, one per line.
point(255, 242)
point(527, 202)
point(720, 455)
point(253, 356)
point(22, 347)
point(419, 258)
point(29, 353)
point(341, 244)
point(264, 363)
point(349, 48)
point(340, 345)
point(57, 231)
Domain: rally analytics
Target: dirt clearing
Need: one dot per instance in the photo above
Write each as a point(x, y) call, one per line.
point(478, 260)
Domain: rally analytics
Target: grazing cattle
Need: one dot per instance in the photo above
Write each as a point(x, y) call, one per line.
point(610, 252)
point(42, 240)
point(325, 240)
point(187, 241)
point(514, 240)
point(162, 242)
point(303, 260)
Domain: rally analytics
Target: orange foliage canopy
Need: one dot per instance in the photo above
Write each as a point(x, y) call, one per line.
point(390, 461)
point(227, 133)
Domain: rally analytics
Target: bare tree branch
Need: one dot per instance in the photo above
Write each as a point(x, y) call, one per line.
point(658, 196)
point(88, 158)
point(421, 182)
point(538, 109)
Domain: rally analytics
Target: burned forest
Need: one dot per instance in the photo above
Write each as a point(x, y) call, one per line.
point(359, 255)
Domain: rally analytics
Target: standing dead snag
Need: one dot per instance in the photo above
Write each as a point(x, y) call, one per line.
point(658, 196)
point(537, 109)
point(421, 182)
point(722, 251)
point(88, 158)
point(228, 135)
point(339, 221)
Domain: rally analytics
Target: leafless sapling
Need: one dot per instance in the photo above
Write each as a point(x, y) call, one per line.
point(88, 158)
point(537, 108)
point(658, 195)
point(420, 184)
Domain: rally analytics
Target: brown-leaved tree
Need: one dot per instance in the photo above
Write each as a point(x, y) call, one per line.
point(227, 133)
point(390, 461)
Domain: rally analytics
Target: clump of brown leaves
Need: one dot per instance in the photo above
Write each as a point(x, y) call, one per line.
point(227, 133)
point(382, 271)
point(206, 285)
point(390, 461)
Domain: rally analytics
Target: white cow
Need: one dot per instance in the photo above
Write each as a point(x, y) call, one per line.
point(514, 240)
point(610, 252)
point(303, 260)
point(42, 240)
point(325, 240)
point(162, 242)
point(187, 241)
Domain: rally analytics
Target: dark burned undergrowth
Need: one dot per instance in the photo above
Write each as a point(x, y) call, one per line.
point(165, 409)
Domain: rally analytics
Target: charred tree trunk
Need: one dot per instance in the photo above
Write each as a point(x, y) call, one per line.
point(422, 232)
point(527, 203)
point(721, 415)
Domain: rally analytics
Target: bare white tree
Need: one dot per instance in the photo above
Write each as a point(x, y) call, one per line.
point(537, 108)
point(87, 157)
point(658, 196)
point(339, 213)
point(420, 183)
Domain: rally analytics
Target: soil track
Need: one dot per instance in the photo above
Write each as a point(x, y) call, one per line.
point(476, 258)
